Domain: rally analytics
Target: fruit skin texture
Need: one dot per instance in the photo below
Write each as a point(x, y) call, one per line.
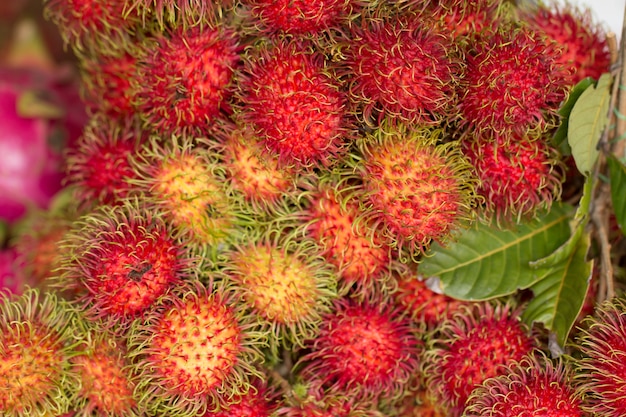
point(462, 19)
point(364, 350)
point(584, 42)
point(106, 389)
point(403, 70)
point(518, 174)
point(415, 189)
point(285, 283)
point(513, 82)
point(36, 344)
point(476, 344)
point(534, 386)
point(259, 401)
point(183, 13)
point(194, 353)
point(120, 261)
point(184, 81)
point(293, 103)
point(600, 375)
point(298, 17)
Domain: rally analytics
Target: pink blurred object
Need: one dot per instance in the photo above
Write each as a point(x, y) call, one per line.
point(11, 277)
point(41, 114)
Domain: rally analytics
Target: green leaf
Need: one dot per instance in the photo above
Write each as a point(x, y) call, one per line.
point(560, 136)
point(560, 293)
point(587, 122)
point(487, 261)
point(617, 174)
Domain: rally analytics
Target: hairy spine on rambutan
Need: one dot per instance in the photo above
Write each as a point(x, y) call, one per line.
point(601, 343)
point(365, 350)
point(260, 401)
point(88, 25)
point(37, 342)
point(477, 343)
point(284, 282)
point(573, 29)
point(415, 188)
point(121, 261)
point(402, 70)
point(514, 82)
point(183, 180)
point(332, 218)
point(519, 174)
point(288, 94)
point(534, 386)
point(195, 353)
point(99, 167)
point(185, 79)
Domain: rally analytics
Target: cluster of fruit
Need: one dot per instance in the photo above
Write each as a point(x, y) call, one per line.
point(254, 192)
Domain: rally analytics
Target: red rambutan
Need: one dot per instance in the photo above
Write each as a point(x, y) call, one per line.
point(259, 401)
point(514, 81)
point(460, 18)
point(518, 173)
point(37, 341)
point(402, 70)
point(299, 17)
point(106, 83)
point(584, 42)
point(476, 344)
point(359, 252)
point(121, 261)
point(184, 79)
point(91, 24)
point(99, 167)
point(185, 13)
point(196, 351)
point(600, 371)
point(416, 190)
point(533, 387)
point(364, 350)
point(294, 104)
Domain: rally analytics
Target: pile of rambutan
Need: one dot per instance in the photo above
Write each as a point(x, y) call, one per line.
point(249, 203)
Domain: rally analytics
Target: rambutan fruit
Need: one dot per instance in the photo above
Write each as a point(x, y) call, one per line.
point(400, 69)
point(573, 29)
point(184, 79)
point(197, 351)
point(298, 17)
point(415, 189)
point(519, 174)
point(462, 19)
point(106, 388)
point(357, 250)
point(182, 180)
point(92, 24)
point(476, 344)
point(99, 167)
point(364, 350)
point(293, 102)
point(37, 341)
point(600, 373)
point(284, 282)
point(255, 173)
point(106, 83)
point(514, 81)
point(121, 261)
point(534, 386)
point(428, 308)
